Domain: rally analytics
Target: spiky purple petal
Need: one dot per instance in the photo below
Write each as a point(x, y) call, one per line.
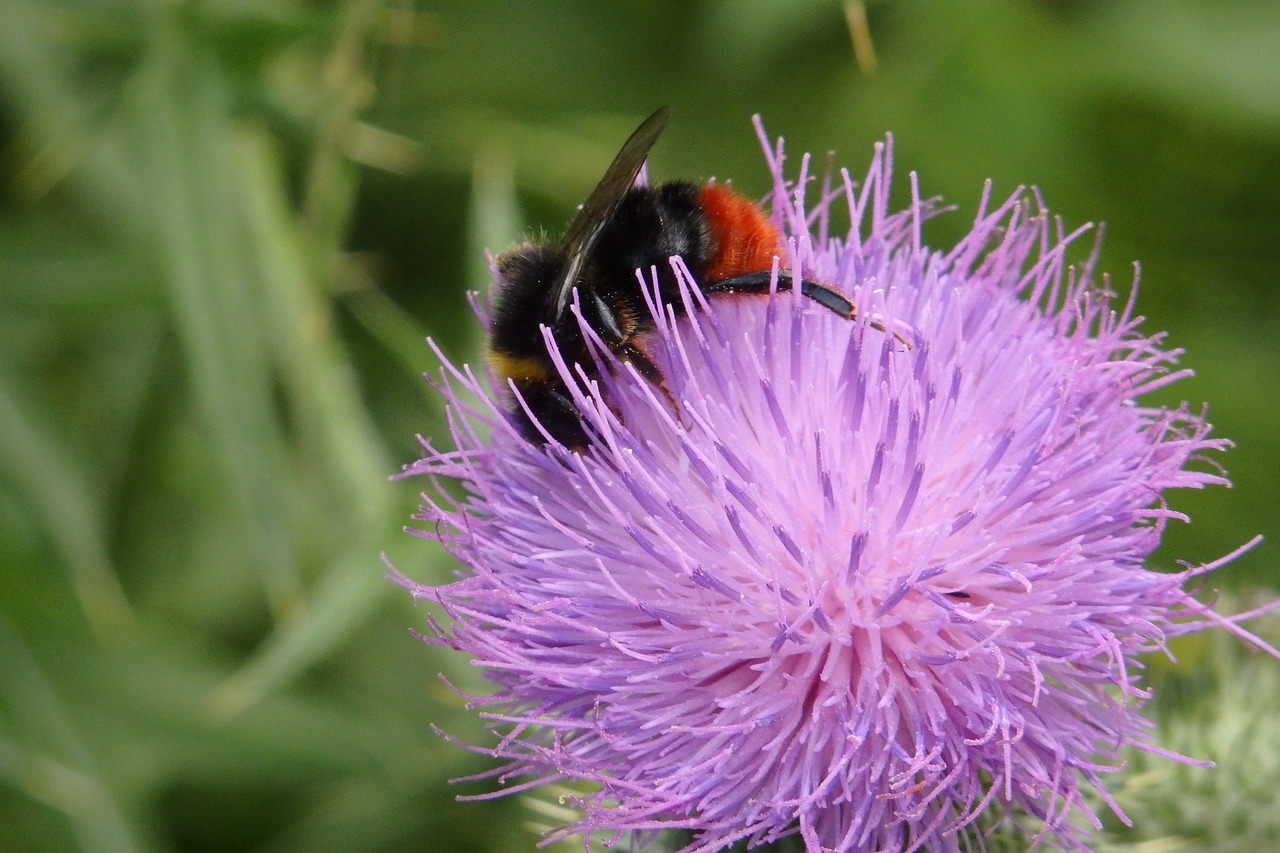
point(859, 585)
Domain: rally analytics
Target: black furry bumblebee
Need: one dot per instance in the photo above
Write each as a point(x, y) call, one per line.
point(724, 239)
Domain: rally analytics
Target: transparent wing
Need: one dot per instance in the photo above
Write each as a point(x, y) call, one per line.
point(600, 207)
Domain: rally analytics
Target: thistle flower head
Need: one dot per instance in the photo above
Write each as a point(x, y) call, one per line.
point(831, 580)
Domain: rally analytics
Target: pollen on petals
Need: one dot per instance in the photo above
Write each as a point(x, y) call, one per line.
point(834, 582)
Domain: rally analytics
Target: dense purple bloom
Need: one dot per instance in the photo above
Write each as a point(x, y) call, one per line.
point(857, 585)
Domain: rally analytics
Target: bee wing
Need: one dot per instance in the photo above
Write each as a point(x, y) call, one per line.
point(601, 205)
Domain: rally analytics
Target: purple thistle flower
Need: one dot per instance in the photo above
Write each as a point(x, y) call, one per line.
point(857, 586)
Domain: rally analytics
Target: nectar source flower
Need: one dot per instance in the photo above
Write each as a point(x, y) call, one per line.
point(858, 581)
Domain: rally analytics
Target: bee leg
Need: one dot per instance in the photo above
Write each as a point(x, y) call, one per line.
point(829, 298)
point(759, 282)
point(644, 365)
point(556, 414)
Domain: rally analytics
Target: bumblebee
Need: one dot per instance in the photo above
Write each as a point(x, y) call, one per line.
point(723, 238)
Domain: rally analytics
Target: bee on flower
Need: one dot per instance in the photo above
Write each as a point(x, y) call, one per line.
point(767, 565)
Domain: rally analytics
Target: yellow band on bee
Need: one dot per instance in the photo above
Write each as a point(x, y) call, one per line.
point(519, 368)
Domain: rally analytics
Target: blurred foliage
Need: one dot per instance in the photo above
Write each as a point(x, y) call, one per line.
point(226, 227)
point(1217, 703)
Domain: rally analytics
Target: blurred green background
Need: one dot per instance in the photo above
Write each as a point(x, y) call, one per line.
point(226, 227)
